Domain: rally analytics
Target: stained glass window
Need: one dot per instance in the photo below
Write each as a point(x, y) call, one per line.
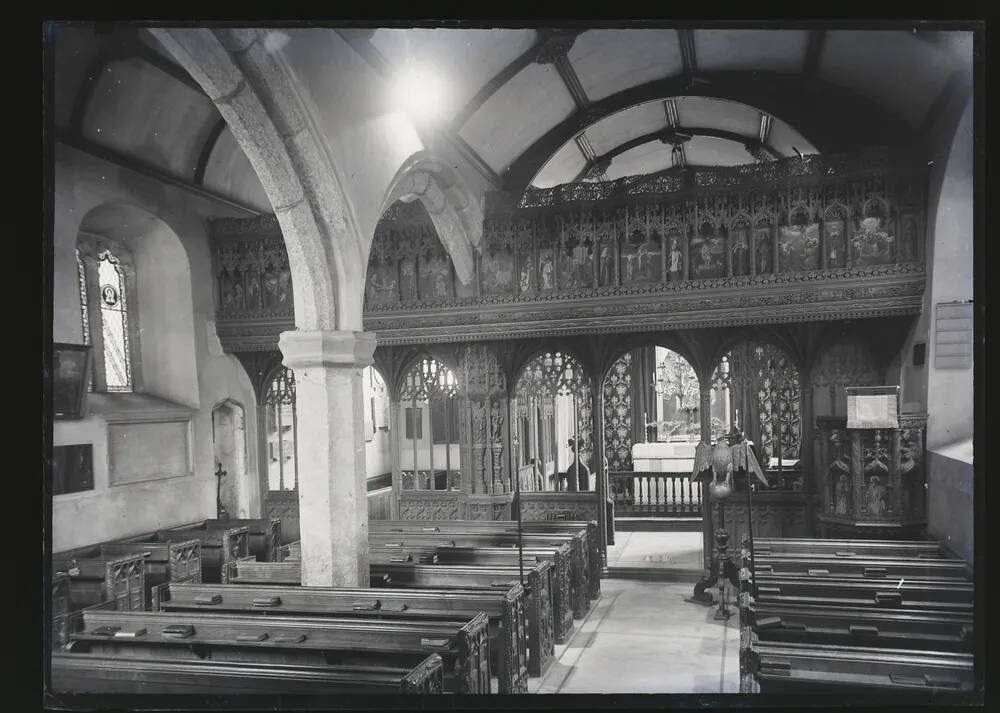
point(114, 322)
point(282, 432)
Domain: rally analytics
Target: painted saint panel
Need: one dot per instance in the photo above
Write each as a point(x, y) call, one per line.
point(606, 264)
point(629, 258)
point(872, 242)
point(739, 241)
point(835, 243)
point(527, 277)
point(763, 251)
point(408, 279)
point(708, 257)
point(546, 269)
point(434, 278)
point(675, 258)
point(798, 248)
point(909, 235)
point(497, 272)
point(382, 287)
point(650, 264)
point(576, 265)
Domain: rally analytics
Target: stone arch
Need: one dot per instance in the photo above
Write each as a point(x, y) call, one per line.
point(256, 95)
point(456, 213)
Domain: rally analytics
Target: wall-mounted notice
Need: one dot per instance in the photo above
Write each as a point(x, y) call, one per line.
point(873, 407)
point(953, 335)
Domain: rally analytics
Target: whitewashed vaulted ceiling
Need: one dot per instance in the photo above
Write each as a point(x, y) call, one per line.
point(535, 107)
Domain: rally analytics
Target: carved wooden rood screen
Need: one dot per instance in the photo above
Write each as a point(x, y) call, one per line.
point(816, 238)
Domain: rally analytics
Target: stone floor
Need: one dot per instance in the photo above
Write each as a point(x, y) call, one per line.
point(642, 637)
point(656, 549)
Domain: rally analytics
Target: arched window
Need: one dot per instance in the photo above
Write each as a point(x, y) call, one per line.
point(429, 427)
point(281, 431)
point(106, 274)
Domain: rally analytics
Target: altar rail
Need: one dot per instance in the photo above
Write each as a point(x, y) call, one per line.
point(654, 494)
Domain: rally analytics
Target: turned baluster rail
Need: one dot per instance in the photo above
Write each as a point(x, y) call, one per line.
point(655, 494)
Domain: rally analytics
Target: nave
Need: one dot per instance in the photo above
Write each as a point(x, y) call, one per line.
point(456, 361)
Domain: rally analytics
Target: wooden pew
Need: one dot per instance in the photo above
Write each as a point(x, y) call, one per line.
point(165, 562)
point(537, 583)
point(118, 582)
point(505, 609)
point(861, 566)
point(850, 626)
point(92, 580)
point(579, 573)
point(562, 611)
point(909, 549)
point(61, 610)
point(538, 590)
point(320, 641)
point(937, 595)
point(590, 536)
point(810, 668)
point(263, 534)
point(219, 547)
point(571, 571)
point(87, 673)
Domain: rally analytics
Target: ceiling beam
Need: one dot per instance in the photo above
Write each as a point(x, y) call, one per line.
point(832, 118)
point(814, 49)
point(130, 163)
point(664, 134)
point(206, 151)
point(555, 50)
point(377, 61)
point(689, 57)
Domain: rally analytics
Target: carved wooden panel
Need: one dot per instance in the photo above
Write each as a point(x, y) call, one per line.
point(618, 414)
point(431, 508)
point(712, 246)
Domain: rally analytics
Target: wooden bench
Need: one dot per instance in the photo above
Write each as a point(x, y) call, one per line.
point(61, 610)
point(579, 572)
point(98, 579)
point(219, 547)
point(263, 534)
point(904, 593)
point(810, 668)
point(87, 673)
point(589, 535)
point(505, 610)
point(538, 584)
point(462, 645)
point(861, 566)
point(909, 549)
point(165, 562)
point(850, 626)
point(559, 556)
point(79, 583)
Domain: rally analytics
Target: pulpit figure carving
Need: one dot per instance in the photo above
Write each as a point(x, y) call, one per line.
point(842, 500)
point(875, 496)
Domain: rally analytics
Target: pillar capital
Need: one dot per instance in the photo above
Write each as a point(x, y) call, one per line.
point(305, 349)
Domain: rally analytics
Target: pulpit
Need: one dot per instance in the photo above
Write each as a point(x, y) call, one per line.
point(871, 481)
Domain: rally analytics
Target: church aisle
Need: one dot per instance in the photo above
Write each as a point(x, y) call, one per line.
point(642, 637)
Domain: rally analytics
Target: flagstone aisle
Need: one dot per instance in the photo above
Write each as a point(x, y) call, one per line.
point(642, 637)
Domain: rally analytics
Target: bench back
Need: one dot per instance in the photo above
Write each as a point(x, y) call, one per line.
point(121, 580)
point(848, 548)
point(859, 592)
point(817, 664)
point(860, 566)
point(73, 673)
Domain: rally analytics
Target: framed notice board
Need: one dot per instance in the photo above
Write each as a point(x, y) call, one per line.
point(873, 407)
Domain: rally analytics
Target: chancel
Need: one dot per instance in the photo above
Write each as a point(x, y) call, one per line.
point(462, 361)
